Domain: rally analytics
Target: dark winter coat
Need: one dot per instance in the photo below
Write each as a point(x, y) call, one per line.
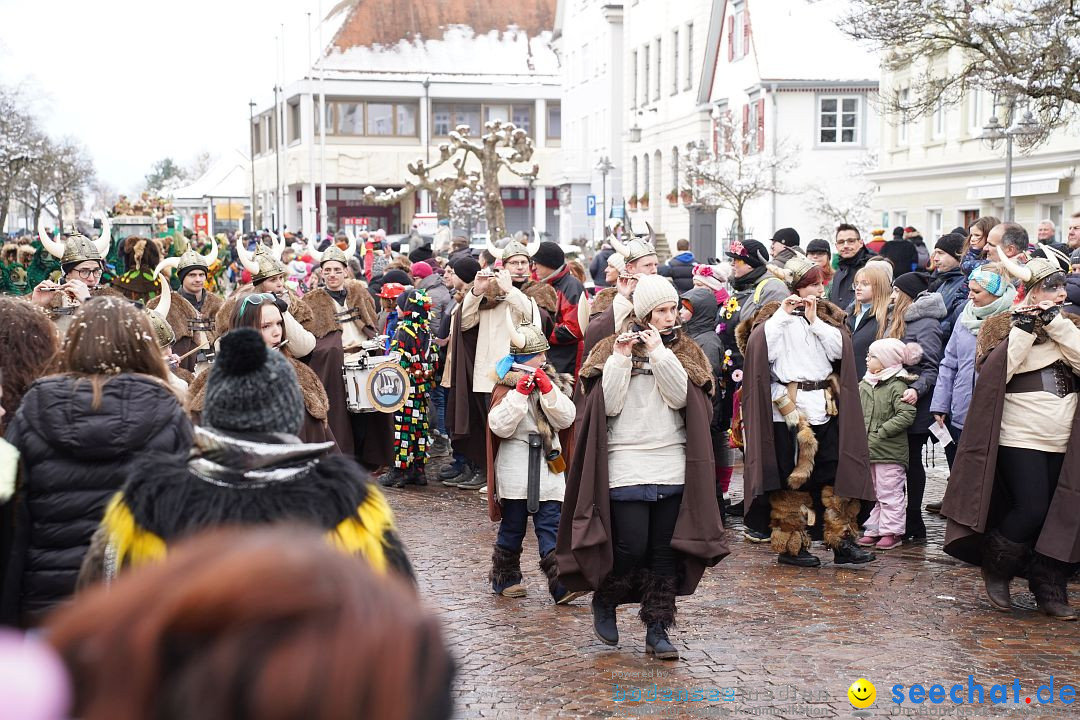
point(681, 271)
point(903, 256)
point(841, 293)
point(702, 326)
point(566, 338)
point(953, 288)
point(440, 298)
point(1072, 294)
point(598, 266)
point(923, 326)
point(76, 457)
point(862, 336)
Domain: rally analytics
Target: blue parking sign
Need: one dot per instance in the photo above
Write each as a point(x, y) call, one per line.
point(590, 205)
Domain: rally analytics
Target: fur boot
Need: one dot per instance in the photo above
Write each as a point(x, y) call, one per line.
point(1002, 560)
point(808, 447)
point(790, 514)
point(613, 590)
point(841, 517)
point(1048, 580)
point(559, 593)
point(658, 614)
point(505, 575)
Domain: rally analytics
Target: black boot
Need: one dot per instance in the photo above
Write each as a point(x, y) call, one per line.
point(803, 559)
point(415, 475)
point(505, 575)
point(1002, 559)
point(604, 601)
point(394, 478)
point(558, 591)
point(658, 614)
point(848, 552)
point(1048, 580)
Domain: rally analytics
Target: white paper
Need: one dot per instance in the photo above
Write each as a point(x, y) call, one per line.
point(941, 433)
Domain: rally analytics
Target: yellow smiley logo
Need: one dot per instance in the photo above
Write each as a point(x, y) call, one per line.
point(862, 694)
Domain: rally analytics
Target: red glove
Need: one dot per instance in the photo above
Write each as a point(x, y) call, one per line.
point(524, 384)
point(542, 381)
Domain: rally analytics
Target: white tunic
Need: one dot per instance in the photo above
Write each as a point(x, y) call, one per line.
point(800, 351)
point(493, 336)
point(351, 337)
point(513, 419)
point(646, 431)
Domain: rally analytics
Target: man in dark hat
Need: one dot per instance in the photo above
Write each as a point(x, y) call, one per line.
point(948, 279)
point(783, 240)
point(549, 262)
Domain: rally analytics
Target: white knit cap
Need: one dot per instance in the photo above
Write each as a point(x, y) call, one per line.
point(652, 290)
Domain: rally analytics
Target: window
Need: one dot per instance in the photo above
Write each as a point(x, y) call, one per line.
point(634, 175)
point(902, 128)
point(674, 61)
point(933, 223)
point(496, 112)
point(659, 74)
point(645, 84)
point(838, 120)
point(350, 118)
point(380, 119)
point(294, 121)
point(901, 218)
point(646, 178)
point(937, 121)
point(976, 105)
point(633, 78)
point(521, 116)
point(256, 138)
point(372, 119)
point(737, 39)
point(689, 56)
point(269, 124)
point(446, 117)
point(751, 129)
point(329, 118)
point(675, 169)
point(554, 121)
point(406, 119)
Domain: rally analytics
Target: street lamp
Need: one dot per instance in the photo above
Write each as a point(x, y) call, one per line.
point(604, 166)
point(251, 131)
point(994, 132)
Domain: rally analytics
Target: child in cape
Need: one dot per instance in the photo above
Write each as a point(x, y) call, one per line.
point(888, 418)
point(523, 403)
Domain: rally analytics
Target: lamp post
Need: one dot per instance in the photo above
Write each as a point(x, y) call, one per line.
point(530, 180)
point(251, 130)
point(994, 133)
point(604, 166)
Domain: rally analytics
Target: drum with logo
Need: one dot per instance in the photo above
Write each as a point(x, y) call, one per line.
point(375, 383)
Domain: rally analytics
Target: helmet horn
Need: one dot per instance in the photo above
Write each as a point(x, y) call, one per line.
point(165, 301)
point(652, 234)
point(497, 252)
point(1014, 268)
point(211, 256)
point(517, 338)
point(104, 239)
point(276, 246)
point(350, 249)
point(54, 247)
point(534, 246)
point(247, 259)
point(619, 246)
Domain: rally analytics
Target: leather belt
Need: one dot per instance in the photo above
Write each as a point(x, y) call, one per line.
point(813, 385)
point(1056, 379)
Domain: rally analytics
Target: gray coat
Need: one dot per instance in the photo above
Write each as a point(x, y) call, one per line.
point(956, 377)
point(440, 297)
point(923, 326)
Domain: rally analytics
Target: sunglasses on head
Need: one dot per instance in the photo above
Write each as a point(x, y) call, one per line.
point(256, 299)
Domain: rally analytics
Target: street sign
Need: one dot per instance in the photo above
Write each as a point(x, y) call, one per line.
point(590, 205)
point(618, 211)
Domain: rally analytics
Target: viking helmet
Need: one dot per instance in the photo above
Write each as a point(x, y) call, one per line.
point(636, 248)
point(265, 262)
point(794, 270)
point(334, 252)
point(192, 260)
point(163, 332)
point(76, 248)
point(526, 338)
point(513, 247)
point(1037, 268)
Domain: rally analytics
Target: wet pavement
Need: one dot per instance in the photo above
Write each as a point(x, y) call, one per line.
point(757, 639)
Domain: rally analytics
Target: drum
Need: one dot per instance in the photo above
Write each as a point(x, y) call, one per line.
point(375, 383)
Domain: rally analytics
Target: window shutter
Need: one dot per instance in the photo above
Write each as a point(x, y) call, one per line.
point(731, 38)
point(761, 124)
point(746, 31)
point(727, 131)
point(746, 128)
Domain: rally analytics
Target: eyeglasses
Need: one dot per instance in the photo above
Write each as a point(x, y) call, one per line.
point(87, 273)
point(849, 241)
point(860, 283)
point(255, 299)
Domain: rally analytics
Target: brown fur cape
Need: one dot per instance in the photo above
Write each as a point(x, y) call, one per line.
point(565, 384)
point(584, 553)
point(602, 301)
point(761, 474)
point(974, 501)
point(323, 308)
point(181, 312)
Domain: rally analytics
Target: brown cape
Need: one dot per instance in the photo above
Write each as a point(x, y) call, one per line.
point(181, 312)
point(760, 471)
point(323, 309)
point(974, 501)
point(565, 383)
point(602, 302)
point(466, 414)
point(584, 552)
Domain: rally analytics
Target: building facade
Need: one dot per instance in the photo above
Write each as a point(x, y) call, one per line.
point(394, 90)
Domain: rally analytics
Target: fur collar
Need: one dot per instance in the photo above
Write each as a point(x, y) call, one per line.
point(181, 312)
point(315, 399)
point(603, 300)
point(996, 328)
point(563, 381)
point(930, 305)
point(543, 294)
point(323, 308)
point(689, 353)
point(830, 313)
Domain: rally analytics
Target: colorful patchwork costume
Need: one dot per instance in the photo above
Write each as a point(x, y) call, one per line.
point(412, 340)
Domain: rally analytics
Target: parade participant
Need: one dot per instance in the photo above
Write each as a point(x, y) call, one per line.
point(249, 467)
point(1012, 497)
point(990, 294)
point(528, 442)
point(639, 256)
point(916, 316)
point(642, 520)
point(516, 259)
point(268, 276)
point(192, 310)
point(287, 627)
point(78, 432)
point(887, 419)
point(753, 286)
point(412, 426)
point(697, 313)
point(806, 444)
point(388, 316)
point(141, 256)
point(31, 343)
point(549, 260)
point(82, 262)
point(263, 312)
point(179, 378)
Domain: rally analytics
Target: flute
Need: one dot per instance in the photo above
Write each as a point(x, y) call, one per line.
point(627, 337)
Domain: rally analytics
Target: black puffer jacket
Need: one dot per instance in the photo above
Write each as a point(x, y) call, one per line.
point(681, 271)
point(76, 458)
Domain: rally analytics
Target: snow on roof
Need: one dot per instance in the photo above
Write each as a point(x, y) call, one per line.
point(227, 177)
point(459, 51)
point(799, 40)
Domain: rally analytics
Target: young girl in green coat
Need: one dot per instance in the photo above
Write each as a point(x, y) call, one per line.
point(888, 418)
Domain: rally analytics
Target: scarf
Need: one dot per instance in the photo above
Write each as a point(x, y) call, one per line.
point(748, 280)
point(972, 317)
point(875, 378)
point(505, 365)
point(338, 295)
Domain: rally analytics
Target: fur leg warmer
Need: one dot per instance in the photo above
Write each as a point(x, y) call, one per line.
point(790, 513)
point(505, 567)
point(841, 517)
point(551, 571)
point(808, 447)
point(1048, 580)
point(658, 600)
point(614, 589)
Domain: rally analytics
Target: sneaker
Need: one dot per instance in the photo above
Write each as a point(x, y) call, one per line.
point(395, 478)
point(889, 542)
point(439, 447)
point(756, 536)
point(478, 480)
point(451, 475)
point(451, 471)
point(933, 508)
point(867, 540)
point(516, 590)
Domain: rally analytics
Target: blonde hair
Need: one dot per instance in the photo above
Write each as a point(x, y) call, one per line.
point(897, 325)
point(880, 279)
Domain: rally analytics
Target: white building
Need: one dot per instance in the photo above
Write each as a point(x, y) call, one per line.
point(664, 44)
point(936, 173)
point(221, 197)
point(782, 69)
point(589, 40)
point(398, 78)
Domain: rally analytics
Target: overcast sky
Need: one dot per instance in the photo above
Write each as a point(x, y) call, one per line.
point(139, 80)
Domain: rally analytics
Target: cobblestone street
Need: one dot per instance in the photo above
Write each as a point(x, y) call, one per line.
point(778, 641)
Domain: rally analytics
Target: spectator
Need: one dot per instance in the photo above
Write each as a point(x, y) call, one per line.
point(785, 244)
point(947, 279)
point(1074, 232)
point(459, 248)
point(916, 239)
point(876, 241)
point(870, 316)
point(424, 278)
point(598, 266)
point(819, 252)
point(680, 269)
point(1046, 233)
point(902, 254)
point(853, 256)
point(30, 343)
point(974, 251)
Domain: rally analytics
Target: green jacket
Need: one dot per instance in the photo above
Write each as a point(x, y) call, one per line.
point(887, 418)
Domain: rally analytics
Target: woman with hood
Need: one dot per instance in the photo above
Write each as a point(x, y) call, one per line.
point(78, 433)
point(915, 316)
point(697, 313)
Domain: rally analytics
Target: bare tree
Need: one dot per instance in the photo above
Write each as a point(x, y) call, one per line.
point(502, 146)
point(19, 146)
point(1019, 50)
point(737, 172)
point(845, 199)
point(467, 207)
point(60, 173)
point(442, 189)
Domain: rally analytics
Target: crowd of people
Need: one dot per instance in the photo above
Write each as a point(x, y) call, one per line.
point(610, 410)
